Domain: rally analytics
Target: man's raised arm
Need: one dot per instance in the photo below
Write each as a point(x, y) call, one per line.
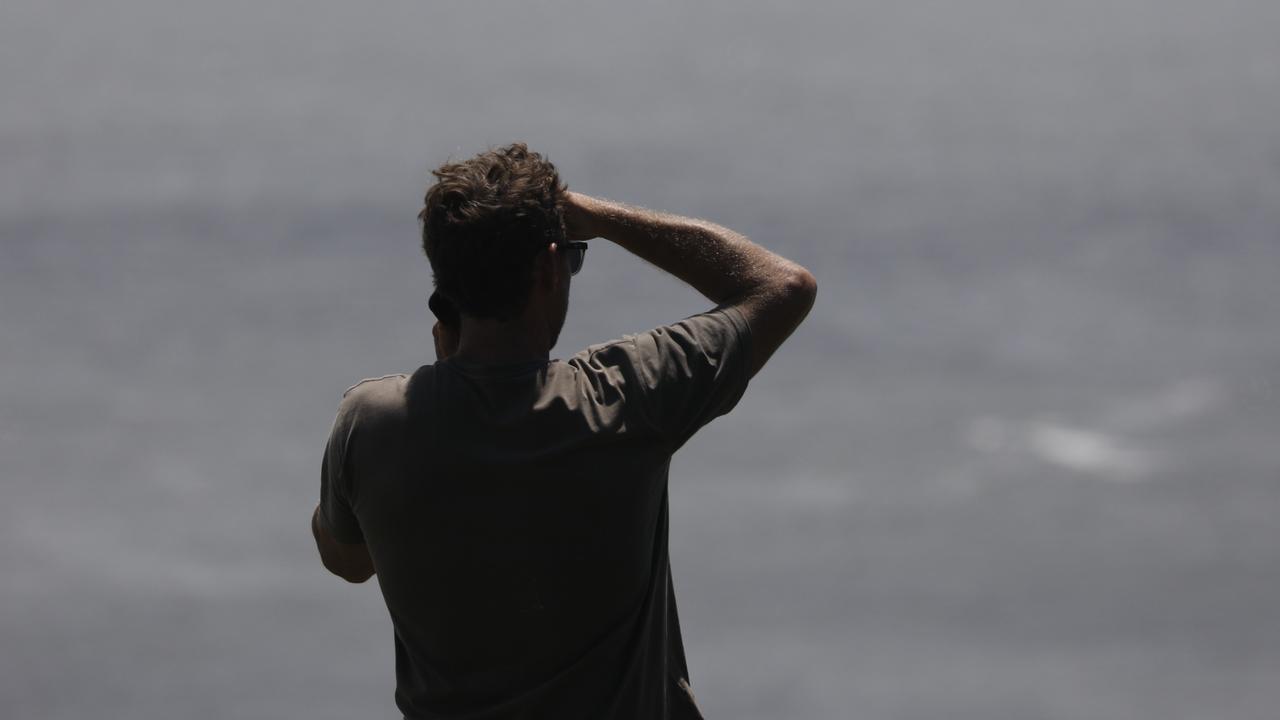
point(773, 293)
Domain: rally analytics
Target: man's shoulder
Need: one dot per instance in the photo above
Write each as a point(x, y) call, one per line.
point(383, 393)
point(717, 326)
point(727, 317)
point(373, 386)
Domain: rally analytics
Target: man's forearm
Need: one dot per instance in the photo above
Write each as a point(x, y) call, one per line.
point(773, 293)
point(721, 264)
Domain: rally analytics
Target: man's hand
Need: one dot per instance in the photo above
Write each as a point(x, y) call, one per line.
point(579, 221)
point(446, 340)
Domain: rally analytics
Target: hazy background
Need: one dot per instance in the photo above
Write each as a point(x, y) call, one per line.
point(1022, 462)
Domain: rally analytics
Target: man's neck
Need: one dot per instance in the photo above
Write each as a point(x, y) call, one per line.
point(499, 342)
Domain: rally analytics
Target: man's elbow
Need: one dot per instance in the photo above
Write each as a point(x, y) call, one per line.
point(804, 285)
point(798, 288)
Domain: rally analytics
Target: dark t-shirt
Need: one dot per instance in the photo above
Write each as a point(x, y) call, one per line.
point(517, 519)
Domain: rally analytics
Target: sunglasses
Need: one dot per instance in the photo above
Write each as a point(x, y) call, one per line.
point(577, 251)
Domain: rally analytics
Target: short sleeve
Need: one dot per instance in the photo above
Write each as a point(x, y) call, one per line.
point(335, 478)
point(685, 374)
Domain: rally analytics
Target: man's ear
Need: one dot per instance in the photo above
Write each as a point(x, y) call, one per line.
point(548, 267)
point(437, 335)
point(446, 339)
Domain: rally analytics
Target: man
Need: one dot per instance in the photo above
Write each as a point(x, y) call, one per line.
point(514, 507)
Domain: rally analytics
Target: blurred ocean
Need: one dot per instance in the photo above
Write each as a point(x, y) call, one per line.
point(1022, 462)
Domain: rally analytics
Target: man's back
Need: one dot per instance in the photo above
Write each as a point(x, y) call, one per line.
point(516, 516)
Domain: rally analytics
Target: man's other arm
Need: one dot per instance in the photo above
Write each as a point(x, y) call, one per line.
point(773, 293)
point(349, 562)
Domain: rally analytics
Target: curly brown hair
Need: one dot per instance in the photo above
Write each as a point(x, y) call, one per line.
point(484, 221)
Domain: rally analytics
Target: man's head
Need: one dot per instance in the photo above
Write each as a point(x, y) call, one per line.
point(487, 227)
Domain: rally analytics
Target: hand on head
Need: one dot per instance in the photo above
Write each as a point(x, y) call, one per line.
point(578, 221)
